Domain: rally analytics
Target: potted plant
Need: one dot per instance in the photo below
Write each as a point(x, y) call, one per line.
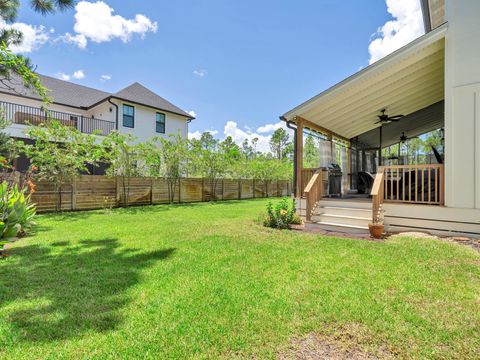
point(377, 227)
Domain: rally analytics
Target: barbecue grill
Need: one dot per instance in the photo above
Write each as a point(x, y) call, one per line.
point(334, 180)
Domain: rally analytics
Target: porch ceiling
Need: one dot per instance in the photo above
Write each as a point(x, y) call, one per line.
point(404, 82)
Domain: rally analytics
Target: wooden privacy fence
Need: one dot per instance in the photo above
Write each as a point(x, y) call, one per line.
point(89, 192)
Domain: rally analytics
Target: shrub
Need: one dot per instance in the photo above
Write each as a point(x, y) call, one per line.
point(16, 212)
point(282, 215)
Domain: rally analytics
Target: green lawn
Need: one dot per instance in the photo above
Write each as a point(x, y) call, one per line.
point(206, 281)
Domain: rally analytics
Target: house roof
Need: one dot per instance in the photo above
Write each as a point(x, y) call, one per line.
point(139, 94)
point(79, 96)
point(403, 82)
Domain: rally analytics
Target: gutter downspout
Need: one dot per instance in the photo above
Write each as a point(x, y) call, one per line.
point(116, 112)
point(289, 125)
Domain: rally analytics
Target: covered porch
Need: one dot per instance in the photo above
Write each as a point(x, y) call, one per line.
point(364, 129)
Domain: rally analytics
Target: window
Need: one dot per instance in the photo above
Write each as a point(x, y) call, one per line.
point(128, 116)
point(160, 123)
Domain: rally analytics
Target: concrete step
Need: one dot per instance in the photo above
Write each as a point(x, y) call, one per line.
point(342, 219)
point(345, 211)
point(353, 204)
point(336, 227)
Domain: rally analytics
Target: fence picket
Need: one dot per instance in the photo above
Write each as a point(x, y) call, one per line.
point(88, 192)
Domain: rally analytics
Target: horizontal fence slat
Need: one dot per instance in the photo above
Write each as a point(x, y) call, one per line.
point(89, 192)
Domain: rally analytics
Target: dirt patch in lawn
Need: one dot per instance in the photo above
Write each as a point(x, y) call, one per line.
point(347, 343)
point(466, 241)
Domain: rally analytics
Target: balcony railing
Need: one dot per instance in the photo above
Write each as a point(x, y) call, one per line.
point(29, 115)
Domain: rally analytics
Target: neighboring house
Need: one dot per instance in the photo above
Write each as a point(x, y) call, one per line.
point(435, 83)
point(135, 109)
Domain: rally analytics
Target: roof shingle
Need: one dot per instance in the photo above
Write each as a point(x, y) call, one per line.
point(70, 94)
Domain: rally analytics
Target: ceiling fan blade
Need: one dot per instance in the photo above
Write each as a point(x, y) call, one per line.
point(396, 117)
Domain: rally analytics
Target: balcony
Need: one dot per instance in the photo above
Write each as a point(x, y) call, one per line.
point(28, 115)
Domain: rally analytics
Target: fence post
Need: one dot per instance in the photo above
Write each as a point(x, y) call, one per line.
point(203, 189)
point(278, 190)
point(151, 191)
point(223, 189)
point(254, 188)
point(74, 193)
point(179, 190)
point(240, 189)
point(117, 191)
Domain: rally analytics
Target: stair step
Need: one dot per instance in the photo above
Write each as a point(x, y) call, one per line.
point(345, 204)
point(346, 208)
point(342, 219)
point(342, 225)
point(336, 227)
point(346, 216)
point(345, 211)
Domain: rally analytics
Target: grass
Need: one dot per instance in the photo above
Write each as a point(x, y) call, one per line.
point(206, 281)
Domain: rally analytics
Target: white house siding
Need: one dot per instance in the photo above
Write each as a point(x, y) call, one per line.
point(462, 104)
point(144, 126)
point(145, 117)
point(17, 130)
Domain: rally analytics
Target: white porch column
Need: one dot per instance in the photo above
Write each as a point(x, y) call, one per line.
point(462, 104)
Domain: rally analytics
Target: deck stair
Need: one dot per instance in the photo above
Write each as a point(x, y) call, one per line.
point(340, 215)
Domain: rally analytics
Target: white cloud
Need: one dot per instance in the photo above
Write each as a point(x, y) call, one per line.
point(192, 113)
point(200, 72)
point(63, 76)
point(95, 21)
point(105, 77)
point(197, 134)
point(79, 74)
point(407, 25)
point(238, 135)
point(78, 40)
point(33, 36)
point(268, 128)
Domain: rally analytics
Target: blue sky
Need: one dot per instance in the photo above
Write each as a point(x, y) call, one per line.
point(237, 64)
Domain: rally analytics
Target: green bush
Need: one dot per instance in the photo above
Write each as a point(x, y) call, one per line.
point(282, 215)
point(16, 212)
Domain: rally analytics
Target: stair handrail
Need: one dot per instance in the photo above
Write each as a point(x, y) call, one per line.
point(313, 193)
point(377, 192)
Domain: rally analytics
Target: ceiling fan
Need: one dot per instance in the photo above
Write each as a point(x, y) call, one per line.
point(385, 119)
point(405, 138)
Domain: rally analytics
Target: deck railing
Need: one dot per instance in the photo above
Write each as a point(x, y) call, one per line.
point(307, 174)
point(378, 190)
point(419, 184)
point(29, 115)
point(313, 193)
point(413, 184)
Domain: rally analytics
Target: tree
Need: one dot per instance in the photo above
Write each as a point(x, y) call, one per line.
point(8, 146)
point(278, 143)
point(175, 160)
point(210, 159)
point(247, 150)
point(121, 154)
point(60, 153)
point(268, 169)
point(151, 154)
point(311, 155)
point(254, 144)
point(232, 156)
point(17, 65)
point(9, 11)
